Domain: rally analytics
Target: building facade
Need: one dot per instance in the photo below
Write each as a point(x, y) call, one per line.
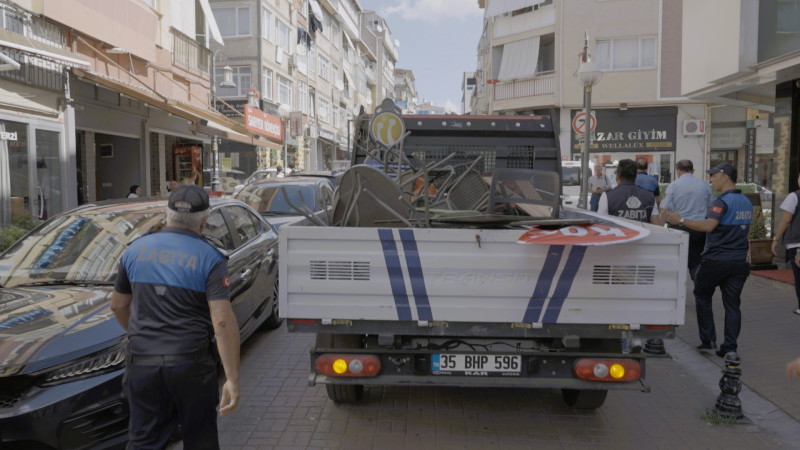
point(638, 107)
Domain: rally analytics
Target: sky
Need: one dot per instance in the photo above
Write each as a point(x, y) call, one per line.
point(438, 42)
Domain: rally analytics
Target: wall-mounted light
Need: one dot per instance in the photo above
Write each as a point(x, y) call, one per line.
point(227, 78)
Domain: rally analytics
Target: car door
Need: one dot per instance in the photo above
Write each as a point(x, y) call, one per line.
point(253, 262)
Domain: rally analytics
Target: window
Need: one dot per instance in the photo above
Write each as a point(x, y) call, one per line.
point(302, 96)
point(337, 119)
point(233, 21)
point(284, 91)
point(324, 110)
point(312, 60)
point(244, 223)
point(335, 36)
point(241, 78)
point(324, 68)
point(284, 37)
point(12, 22)
point(628, 53)
point(216, 232)
point(266, 24)
point(267, 84)
point(788, 17)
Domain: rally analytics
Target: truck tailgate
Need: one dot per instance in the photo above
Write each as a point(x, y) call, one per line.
point(479, 275)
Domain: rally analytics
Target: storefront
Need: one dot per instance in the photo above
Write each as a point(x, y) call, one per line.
point(651, 133)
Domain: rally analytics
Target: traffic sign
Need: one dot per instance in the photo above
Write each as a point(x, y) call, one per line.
point(579, 123)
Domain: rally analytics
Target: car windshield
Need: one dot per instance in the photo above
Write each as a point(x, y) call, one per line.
point(78, 248)
point(270, 200)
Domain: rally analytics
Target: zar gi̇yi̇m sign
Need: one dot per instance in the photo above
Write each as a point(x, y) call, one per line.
point(633, 130)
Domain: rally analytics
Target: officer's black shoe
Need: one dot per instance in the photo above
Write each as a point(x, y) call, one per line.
point(707, 346)
point(721, 353)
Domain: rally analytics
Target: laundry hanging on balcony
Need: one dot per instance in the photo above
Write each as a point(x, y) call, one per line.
point(304, 38)
point(519, 59)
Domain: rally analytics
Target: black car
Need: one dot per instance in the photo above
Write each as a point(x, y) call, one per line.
point(62, 351)
point(266, 196)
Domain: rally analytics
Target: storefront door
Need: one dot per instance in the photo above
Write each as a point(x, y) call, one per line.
point(35, 169)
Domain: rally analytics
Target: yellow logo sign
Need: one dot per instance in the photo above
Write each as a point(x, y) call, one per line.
point(387, 128)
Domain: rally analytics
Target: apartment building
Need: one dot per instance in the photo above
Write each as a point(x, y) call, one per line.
point(322, 59)
point(405, 91)
point(754, 84)
point(529, 53)
point(468, 89)
point(99, 96)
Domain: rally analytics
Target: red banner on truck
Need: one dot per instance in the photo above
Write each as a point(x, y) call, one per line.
point(607, 230)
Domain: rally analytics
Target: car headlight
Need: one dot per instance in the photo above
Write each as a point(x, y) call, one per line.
point(99, 363)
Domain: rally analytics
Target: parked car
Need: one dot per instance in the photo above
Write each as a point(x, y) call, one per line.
point(228, 179)
point(62, 351)
point(334, 179)
point(266, 197)
point(271, 172)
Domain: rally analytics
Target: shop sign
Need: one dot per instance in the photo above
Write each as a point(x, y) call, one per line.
point(8, 135)
point(262, 123)
point(325, 134)
point(634, 130)
point(722, 138)
point(238, 105)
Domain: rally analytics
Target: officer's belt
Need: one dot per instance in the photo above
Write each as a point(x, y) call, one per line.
point(159, 359)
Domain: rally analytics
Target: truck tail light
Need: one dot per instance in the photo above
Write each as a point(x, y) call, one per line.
point(613, 370)
point(348, 365)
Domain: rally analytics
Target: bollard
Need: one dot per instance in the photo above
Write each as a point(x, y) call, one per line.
point(728, 404)
point(654, 346)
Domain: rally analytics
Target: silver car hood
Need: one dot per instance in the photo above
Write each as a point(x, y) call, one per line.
point(41, 327)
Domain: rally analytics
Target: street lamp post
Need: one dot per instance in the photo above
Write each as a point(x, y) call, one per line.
point(589, 75)
point(227, 82)
point(284, 111)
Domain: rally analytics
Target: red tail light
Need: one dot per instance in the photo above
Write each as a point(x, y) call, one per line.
point(353, 366)
point(303, 321)
point(609, 370)
point(656, 327)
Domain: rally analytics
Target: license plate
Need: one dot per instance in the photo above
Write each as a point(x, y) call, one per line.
point(476, 365)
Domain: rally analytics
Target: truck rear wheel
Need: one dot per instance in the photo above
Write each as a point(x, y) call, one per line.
point(585, 399)
point(341, 393)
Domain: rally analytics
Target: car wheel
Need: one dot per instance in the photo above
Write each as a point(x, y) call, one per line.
point(341, 393)
point(274, 320)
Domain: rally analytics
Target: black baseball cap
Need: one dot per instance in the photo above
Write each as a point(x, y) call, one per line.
point(188, 198)
point(725, 168)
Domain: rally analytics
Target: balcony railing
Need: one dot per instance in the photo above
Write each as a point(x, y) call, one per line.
point(541, 84)
point(189, 52)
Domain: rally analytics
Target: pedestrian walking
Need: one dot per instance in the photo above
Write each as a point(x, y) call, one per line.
point(598, 183)
point(690, 197)
point(134, 191)
point(788, 233)
point(645, 180)
point(628, 200)
point(723, 262)
point(172, 296)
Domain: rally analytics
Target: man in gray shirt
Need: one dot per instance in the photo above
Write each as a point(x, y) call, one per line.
point(598, 183)
point(691, 198)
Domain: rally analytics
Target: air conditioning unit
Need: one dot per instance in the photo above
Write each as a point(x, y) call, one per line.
point(694, 127)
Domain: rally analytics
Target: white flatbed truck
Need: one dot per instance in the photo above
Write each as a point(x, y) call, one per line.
point(458, 304)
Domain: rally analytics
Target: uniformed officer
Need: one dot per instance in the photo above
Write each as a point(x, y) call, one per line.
point(724, 259)
point(628, 200)
point(171, 295)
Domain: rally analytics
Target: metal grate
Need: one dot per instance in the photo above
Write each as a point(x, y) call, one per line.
point(340, 270)
point(624, 275)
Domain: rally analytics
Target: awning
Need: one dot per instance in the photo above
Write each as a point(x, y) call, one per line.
point(519, 59)
point(315, 8)
point(216, 123)
point(19, 42)
point(497, 7)
point(211, 21)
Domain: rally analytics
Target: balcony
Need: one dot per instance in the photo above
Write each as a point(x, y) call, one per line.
point(542, 83)
point(188, 52)
point(541, 19)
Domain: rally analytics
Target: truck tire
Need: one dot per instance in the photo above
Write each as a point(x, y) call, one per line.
point(584, 399)
point(341, 393)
